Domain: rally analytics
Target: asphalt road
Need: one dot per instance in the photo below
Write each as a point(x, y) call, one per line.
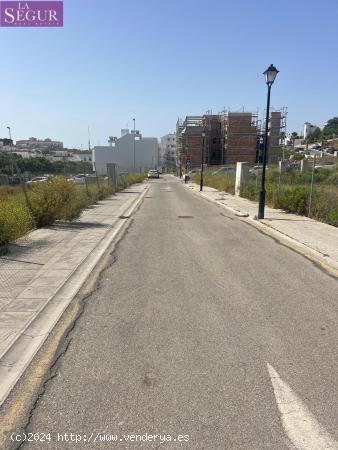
point(202, 327)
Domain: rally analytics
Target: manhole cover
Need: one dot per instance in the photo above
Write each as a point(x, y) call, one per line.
point(185, 217)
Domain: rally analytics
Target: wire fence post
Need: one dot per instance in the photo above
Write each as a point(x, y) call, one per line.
point(280, 173)
point(22, 181)
point(311, 187)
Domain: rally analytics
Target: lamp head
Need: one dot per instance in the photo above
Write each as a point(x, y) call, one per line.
point(270, 74)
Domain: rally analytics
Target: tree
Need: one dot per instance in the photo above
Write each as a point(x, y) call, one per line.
point(294, 136)
point(331, 128)
point(41, 166)
point(315, 136)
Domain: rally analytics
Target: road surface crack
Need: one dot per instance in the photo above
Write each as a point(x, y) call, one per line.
point(66, 341)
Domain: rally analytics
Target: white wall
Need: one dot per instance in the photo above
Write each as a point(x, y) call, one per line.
point(308, 129)
point(122, 154)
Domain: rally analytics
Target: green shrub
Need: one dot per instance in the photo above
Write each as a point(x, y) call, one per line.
point(248, 190)
point(293, 199)
point(15, 220)
point(332, 218)
point(289, 195)
point(126, 180)
point(220, 182)
point(333, 178)
point(325, 204)
point(54, 200)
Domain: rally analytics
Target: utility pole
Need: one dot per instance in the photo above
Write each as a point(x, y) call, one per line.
point(311, 187)
point(202, 162)
point(89, 139)
point(134, 147)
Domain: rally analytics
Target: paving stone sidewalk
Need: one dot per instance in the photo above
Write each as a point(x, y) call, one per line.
point(315, 235)
point(38, 264)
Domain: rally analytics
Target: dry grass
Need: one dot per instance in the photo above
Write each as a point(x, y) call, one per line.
point(55, 200)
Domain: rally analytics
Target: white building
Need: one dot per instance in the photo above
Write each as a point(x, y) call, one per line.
point(121, 152)
point(80, 155)
point(34, 144)
point(308, 129)
point(167, 154)
point(5, 148)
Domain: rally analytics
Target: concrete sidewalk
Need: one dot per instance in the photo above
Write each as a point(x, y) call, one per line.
point(316, 240)
point(47, 266)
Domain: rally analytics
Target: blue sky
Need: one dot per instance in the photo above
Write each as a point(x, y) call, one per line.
point(156, 60)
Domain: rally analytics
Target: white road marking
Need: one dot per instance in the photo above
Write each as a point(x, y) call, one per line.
point(300, 425)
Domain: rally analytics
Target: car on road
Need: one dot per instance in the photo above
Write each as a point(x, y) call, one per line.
point(13, 180)
point(330, 150)
point(78, 179)
point(225, 171)
point(153, 174)
point(326, 165)
point(38, 180)
point(257, 169)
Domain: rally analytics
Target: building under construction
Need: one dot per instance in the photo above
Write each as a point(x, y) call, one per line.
point(239, 132)
point(229, 137)
point(277, 131)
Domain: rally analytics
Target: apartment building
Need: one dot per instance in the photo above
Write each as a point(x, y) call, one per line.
point(167, 150)
point(227, 138)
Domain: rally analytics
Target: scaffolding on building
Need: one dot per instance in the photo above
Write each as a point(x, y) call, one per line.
point(239, 133)
point(188, 139)
point(276, 132)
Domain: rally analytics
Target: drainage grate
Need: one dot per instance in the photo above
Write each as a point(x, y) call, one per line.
point(124, 217)
point(185, 217)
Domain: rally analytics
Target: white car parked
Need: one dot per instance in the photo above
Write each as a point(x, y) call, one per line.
point(38, 180)
point(78, 179)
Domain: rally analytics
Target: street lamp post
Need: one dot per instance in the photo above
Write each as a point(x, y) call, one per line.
point(270, 75)
point(134, 147)
point(202, 161)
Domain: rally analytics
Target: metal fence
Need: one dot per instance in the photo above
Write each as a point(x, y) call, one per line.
point(307, 187)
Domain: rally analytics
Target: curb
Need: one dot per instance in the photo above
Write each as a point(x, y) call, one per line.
point(313, 255)
point(19, 355)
